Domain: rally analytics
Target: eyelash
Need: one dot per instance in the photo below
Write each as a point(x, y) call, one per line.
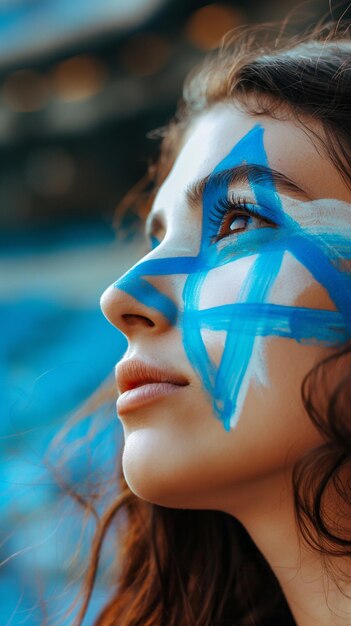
point(225, 206)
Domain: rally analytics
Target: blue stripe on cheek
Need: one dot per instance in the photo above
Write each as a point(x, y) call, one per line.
point(304, 325)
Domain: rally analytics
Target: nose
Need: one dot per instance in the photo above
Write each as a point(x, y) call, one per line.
point(137, 302)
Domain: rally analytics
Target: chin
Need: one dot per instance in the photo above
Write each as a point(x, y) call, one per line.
point(155, 476)
point(148, 476)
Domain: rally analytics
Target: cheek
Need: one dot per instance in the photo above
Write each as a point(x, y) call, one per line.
point(222, 285)
point(295, 286)
point(275, 365)
point(286, 364)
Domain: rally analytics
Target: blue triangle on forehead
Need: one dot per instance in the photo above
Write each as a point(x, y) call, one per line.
point(249, 149)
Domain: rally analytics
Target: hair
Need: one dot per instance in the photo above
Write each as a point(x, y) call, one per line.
point(200, 567)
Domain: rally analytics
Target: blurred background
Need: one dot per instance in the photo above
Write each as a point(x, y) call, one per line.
point(81, 85)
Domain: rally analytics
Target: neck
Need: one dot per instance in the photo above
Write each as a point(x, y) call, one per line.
point(314, 596)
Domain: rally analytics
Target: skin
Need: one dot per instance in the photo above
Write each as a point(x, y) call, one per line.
point(176, 453)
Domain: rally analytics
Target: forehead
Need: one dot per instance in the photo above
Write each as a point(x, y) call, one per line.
point(290, 150)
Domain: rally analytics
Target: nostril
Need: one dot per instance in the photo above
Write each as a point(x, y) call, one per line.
point(135, 320)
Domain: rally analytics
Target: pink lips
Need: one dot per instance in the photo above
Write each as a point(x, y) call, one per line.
point(140, 383)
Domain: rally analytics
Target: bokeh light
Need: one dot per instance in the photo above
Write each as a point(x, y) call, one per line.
point(26, 91)
point(79, 78)
point(144, 54)
point(206, 26)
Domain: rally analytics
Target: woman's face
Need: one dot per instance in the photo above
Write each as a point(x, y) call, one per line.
point(243, 292)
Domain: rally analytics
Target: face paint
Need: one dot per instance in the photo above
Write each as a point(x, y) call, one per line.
point(320, 247)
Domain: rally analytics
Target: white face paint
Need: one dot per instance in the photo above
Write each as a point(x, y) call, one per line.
point(176, 451)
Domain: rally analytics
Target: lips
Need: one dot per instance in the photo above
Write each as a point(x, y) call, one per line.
point(140, 383)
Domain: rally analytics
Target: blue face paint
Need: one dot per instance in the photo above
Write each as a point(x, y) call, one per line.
point(267, 319)
point(224, 383)
point(252, 315)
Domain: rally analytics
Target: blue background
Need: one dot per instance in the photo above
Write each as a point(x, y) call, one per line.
point(81, 84)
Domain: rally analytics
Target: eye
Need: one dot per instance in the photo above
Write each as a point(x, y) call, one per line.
point(240, 222)
point(231, 216)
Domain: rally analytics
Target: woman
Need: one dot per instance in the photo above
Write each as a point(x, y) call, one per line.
point(234, 393)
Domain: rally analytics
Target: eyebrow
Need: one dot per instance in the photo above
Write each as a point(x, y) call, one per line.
point(239, 175)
